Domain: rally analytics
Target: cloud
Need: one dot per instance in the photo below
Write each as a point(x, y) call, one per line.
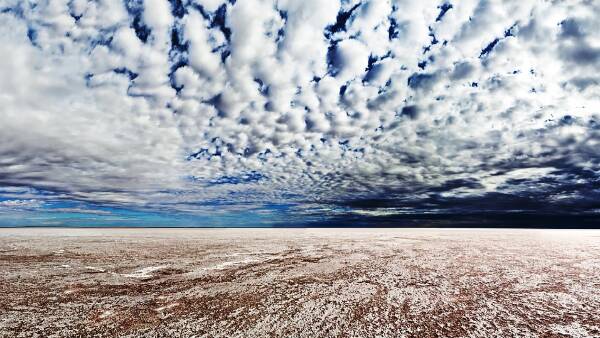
point(80, 211)
point(20, 204)
point(172, 105)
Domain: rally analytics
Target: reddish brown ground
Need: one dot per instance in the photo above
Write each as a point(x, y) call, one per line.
point(299, 283)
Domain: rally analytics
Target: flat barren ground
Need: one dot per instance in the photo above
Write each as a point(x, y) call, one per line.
point(299, 283)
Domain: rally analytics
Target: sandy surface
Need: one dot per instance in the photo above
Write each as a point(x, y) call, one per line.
point(299, 283)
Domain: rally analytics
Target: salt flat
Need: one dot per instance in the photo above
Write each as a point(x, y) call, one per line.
point(299, 283)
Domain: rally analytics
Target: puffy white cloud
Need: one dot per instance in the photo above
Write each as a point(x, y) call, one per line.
point(157, 15)
point(350, 59)
point(281, 101)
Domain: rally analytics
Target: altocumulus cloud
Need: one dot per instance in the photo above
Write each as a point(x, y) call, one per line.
point(368, 107)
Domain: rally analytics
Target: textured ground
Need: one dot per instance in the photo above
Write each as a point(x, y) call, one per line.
point(299, 283)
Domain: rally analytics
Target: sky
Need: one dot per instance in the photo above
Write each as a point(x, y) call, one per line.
point(299, 113)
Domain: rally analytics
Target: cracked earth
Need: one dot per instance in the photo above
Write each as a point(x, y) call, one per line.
point(299, 283)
